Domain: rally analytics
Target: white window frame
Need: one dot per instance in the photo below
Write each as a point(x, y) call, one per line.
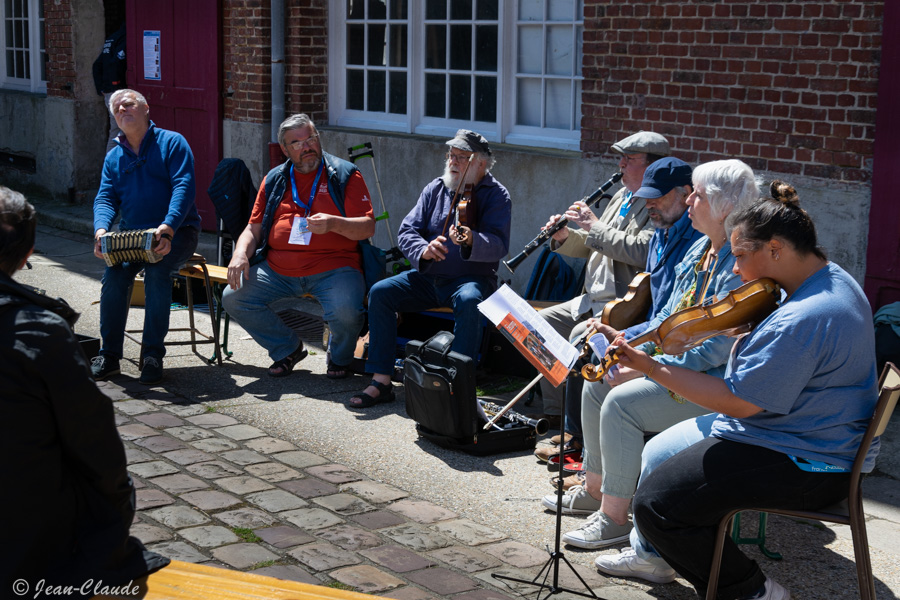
point(36, 51)
point(414, 121)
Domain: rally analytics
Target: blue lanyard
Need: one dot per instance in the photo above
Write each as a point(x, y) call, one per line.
point(312, 192)
point(626, 206)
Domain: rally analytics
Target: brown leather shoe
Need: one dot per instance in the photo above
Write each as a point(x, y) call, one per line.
point(570, 481)
point(545, 453)
point(555, 440)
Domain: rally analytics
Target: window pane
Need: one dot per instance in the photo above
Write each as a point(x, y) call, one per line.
point(398, 93)
point(530, 45)
point(10, 64)
point(531, 10)
point(18, 35)
point(528, 102)
point(560, 50)
point(22, 64)
point(377, 9)
point(461, 47)
point(460, 97)
point(355, 89)
point(435, 95)
point(559, 104)
point(355, 9)
point(435, 47)
point(356, 51)
point(562, 10)
point(436, 9)
point(486, 10)
point(398, 45)
point(376, 44)
point(486, 99)
point(398, 9)
point(377, 90)
point(486, 48)
point(460, 10)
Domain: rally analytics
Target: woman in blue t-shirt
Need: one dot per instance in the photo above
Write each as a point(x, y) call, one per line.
point(792, 408)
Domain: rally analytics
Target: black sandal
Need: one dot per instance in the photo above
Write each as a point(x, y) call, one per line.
point(287, 363)
point(385, 394)
point(336, 371)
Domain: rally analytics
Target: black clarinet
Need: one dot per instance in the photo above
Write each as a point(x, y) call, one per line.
point(545, 234)
point(541, 426)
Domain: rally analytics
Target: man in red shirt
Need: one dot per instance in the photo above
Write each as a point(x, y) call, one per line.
point(302, 238)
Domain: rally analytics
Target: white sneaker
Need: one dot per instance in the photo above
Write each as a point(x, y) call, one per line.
point(599, 531)
point(629, 564)
point(773, 591)
point(576, 501)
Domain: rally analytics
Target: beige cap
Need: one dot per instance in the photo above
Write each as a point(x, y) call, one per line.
point(645, 142)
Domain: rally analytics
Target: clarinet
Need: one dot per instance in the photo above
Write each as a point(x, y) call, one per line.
point(541, 426)
point(545, 234)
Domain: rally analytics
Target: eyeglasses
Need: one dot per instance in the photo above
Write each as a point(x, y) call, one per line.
point(452, 156)
point(307, 143)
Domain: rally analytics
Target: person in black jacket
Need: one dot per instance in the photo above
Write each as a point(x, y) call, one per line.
point(68, 498)
point(109, 75)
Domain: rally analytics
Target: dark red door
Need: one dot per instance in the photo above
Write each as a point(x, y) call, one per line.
point(174, 51)
point(882, 283)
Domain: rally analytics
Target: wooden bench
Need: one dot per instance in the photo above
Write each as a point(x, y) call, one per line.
point(188, 581)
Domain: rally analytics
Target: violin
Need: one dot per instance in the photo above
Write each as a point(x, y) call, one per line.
point(624, 312)
point(738, 312)
point(465, 213)
point(456, 197)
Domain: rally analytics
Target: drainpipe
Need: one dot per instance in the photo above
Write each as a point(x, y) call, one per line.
point(275, 155)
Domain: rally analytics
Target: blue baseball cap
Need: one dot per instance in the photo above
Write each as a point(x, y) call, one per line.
point(662, 176)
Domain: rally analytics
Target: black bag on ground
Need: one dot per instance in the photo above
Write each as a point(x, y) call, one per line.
point(440, 397)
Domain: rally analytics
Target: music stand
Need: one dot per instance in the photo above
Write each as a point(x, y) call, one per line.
point(557, 554)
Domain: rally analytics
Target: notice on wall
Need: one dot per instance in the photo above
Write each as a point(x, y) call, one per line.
point(151, 55)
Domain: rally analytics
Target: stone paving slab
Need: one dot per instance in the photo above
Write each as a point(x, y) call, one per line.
point(214, 490)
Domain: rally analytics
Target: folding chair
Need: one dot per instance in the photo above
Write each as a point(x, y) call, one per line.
point(848, 512)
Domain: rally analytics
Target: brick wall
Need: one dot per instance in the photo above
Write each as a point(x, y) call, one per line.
point(247, 59)
point(60, 53)
point(788, 87)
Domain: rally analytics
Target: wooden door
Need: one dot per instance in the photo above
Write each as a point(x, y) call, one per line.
point(882, 282)
point(174, 58)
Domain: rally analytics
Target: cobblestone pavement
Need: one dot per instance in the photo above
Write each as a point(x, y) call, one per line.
point(211, 489)
point(247, 472)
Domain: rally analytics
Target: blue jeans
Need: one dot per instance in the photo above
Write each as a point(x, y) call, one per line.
point(411, 291)
point(340, 292)
point(115, 299)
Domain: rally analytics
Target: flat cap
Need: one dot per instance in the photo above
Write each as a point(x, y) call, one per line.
point(470, 141)
point(645, 142)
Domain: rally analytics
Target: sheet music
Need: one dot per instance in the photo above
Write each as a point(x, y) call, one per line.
point(532, 336)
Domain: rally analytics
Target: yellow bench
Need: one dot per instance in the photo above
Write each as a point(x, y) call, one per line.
point(188, 581)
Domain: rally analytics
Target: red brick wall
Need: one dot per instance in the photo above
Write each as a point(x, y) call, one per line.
point(785, 86)
point(60, 53)
point(247, 59)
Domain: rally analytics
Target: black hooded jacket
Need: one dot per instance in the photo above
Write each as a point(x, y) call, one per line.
point(67, 500)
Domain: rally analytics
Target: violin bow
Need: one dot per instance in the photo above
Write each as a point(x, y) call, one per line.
point(462, 180)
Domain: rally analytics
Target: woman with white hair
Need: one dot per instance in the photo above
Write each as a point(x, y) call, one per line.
point(617, 414)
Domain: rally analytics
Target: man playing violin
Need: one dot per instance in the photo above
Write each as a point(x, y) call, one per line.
point(453, 265)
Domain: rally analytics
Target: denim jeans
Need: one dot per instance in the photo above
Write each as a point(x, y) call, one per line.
point(411, 291)
point(615, 423)
point(680, 504)
point(340, 292)
point(115, 299)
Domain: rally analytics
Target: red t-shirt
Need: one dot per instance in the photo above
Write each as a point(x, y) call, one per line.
point(325, 252)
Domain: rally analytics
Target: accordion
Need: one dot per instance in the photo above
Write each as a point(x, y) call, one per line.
point(133, 246)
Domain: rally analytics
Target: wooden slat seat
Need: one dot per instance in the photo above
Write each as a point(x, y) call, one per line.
point(188, 581)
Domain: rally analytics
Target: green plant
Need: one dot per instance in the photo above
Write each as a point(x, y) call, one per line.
point(210, 409)
point(261, 564)
point(246, 534)
point(341, 586)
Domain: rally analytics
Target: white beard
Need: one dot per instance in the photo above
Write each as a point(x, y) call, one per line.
point(451, 180)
